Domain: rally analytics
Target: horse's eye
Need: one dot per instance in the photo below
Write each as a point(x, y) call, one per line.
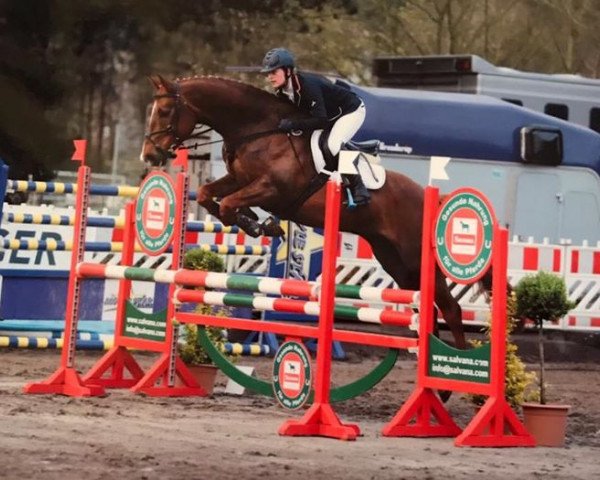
point(163, 112)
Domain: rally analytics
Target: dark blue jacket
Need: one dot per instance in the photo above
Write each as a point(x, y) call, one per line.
point(320, 98)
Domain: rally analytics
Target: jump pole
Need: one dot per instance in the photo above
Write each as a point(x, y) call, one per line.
point(66, 380)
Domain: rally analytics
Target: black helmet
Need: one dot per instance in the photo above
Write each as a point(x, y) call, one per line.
point(277, 58)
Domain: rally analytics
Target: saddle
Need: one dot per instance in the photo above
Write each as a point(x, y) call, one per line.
point(355, 157)
point(368, 146)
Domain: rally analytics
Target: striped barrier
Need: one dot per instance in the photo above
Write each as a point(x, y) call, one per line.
point(242, 252)
point(266, 285)
point(361, 314)
point(49, 343)
point(251, 349)
point(13, 341)
point(107, 222)
point(60, 245)
point(63, 188)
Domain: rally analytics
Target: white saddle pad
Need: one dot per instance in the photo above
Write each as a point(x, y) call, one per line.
point(372, 174)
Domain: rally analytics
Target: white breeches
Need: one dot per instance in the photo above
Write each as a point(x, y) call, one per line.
point(344, 129)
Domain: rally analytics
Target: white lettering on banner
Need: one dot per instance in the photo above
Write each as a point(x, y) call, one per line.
point(39, 259)
point(447, 370)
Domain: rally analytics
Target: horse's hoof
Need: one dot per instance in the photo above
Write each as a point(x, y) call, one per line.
point(249, 226)
point(270, 228)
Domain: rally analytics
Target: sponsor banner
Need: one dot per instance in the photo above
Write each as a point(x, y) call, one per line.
point(146, 326)
point(452, 364)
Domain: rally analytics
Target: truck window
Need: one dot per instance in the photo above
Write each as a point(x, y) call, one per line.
point(558, 110)
point(595, 119)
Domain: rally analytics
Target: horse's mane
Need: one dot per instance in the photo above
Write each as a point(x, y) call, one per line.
point(248, 89)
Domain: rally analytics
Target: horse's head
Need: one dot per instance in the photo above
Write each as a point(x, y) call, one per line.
point(171, 122)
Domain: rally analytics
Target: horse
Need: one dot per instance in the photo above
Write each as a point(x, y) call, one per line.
point(270, 169)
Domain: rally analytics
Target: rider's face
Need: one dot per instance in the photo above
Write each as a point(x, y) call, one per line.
point(277, 78)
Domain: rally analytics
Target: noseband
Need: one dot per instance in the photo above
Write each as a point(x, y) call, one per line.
point(171, 129)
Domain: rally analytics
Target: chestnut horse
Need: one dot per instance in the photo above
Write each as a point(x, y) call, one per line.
point(269, 169)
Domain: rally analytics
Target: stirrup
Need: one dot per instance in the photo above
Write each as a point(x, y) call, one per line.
point(351, 203)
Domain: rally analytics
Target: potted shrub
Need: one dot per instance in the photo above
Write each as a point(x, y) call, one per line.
point(543, 298)
point(195, 357)
point(190, 350)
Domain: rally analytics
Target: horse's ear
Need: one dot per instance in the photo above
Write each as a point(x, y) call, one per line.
point(159, 82)
point(156, 81)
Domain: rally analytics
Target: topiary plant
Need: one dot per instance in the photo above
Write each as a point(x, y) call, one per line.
point(542, 297)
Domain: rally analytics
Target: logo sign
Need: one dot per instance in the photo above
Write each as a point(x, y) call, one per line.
point(155, 213)
point(292, 375)
point(463, 235)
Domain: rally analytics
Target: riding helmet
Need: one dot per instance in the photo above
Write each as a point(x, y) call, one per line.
point(277, 58)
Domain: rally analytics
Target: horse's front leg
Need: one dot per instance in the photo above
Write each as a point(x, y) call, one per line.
point(256, 194)
point(219, 188)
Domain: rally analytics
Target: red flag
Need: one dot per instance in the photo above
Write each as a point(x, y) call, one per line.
point(79, 154)
point(181, 159)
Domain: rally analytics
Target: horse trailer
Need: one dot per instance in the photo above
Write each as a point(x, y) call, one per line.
point(569, 97)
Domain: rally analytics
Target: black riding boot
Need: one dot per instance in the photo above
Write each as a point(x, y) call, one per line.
point(360, 193)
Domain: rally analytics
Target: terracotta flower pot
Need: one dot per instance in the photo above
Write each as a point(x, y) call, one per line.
point(547, 423)
point(205, 375)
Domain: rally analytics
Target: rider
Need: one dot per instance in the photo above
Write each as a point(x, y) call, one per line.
point(330, 106)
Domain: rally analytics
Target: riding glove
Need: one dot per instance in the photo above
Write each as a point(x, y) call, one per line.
point(286, 125)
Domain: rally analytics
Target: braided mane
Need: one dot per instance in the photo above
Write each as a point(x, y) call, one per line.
point(249, 89)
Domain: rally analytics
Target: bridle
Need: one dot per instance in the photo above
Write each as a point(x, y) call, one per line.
point(171, 129)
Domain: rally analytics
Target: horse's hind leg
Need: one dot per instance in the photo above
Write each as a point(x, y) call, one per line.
point(451, 310)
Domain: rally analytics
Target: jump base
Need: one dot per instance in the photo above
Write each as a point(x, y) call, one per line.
point(65, 381)
point(320, 421)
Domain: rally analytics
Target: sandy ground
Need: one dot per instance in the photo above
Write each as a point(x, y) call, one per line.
point(129, 436)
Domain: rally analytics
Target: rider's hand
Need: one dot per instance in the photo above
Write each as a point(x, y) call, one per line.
point(286, 125)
